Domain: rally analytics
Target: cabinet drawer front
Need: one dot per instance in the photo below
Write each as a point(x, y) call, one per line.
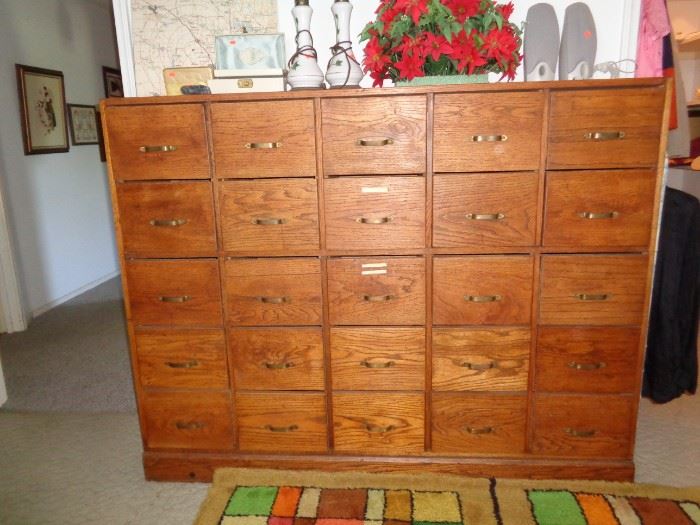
point(599, 208)
point(481, 359)
point(182, 358)
point(488, 132)
point(167, 219)
point(174, 292)
point(188, 420)
point(158, 142)
point(373, 212)
point(587, 359)
point(264, 139)
point(478, 424)
point(592, 289)
point(274, 291)
point(494, 209)
point(376, 291)
point(281, 422)
point(591, 426)
point(378, 358)
point(269, 214)
point(374, 135)
point(482, 290)
point(378, 423)
point(612, 128)
point(277, 358)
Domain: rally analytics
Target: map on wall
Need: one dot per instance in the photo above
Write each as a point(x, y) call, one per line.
point(181, 33)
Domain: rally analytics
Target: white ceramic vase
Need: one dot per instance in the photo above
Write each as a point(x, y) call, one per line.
point(303, 66)
point(343, 68)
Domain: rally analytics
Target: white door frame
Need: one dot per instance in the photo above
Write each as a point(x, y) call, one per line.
point(13, 317)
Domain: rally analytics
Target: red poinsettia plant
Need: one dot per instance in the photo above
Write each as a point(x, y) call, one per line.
point(415, 38)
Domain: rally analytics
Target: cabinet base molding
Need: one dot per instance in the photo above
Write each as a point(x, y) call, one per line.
point(199, 467)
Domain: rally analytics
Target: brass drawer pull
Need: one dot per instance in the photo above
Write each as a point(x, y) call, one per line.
point(482, 298)
point(290, 428)
point(485, 216)
point(263, 145)
point(172, 223)
point(278, 366)
point(378, 142)
point(605, 135)
point(593, 215)
point(368, 364)
point(268, 222)
point(174, 298)
point(187, 364)
point(586, 366)
point(380, 220)
point(377, 298)
point(274, 300)
point(477, 366)
point(157, 149)
point(189, 425)
point(593, 296)
point(489, 138)
point(479, 431)
point(376, 429)
point(580, 433)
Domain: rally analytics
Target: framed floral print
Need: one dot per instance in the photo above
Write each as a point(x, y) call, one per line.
point(83, 124)
point(42, 103)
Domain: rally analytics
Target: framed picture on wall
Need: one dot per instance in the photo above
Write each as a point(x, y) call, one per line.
point(83, 124)
point(113, 82)
point(42, 101)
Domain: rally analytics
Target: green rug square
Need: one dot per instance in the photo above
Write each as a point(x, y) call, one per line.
point(251, 501)
point(556, 507)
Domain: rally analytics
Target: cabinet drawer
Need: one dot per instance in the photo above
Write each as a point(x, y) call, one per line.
point(590, 426)
point(182, 358)
point(587, 359)
point(488, 131)
point(478, 424)
point(281, 422)
point(373, 212)
point(378, 423)
point(277, 358)
point(482, 290)
point(268, 215)
point(158, 142)
point(167, 219)
point(183, 292)
point(599, 208)
point(374, 135)
point(496, 209)
point(188, 420)
point(274, 291)
point(613, 128)
point(378, 358)
point(264, 139)
point(376, 291)
point(592, 289)
point(481, 360)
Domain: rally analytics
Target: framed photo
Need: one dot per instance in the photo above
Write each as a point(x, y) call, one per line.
point(42, 101)
point(83, 124)
point(113, 82)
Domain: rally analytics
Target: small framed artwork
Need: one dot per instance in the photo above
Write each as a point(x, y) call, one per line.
point(113, 82)
point(83, 124)
point(42, 103)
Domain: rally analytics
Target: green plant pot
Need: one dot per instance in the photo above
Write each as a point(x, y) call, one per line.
point(433, 80)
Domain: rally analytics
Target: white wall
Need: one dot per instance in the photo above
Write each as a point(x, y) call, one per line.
point(58, 204)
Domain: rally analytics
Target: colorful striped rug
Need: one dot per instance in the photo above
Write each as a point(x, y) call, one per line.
point(276, 497)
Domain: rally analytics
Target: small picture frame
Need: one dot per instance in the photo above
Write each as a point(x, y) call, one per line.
point(42, 101)
point(112, 79)
point(83, 124)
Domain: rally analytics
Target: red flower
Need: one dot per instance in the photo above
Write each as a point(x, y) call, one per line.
point(412, 8)
point(463, 9)
point(376, 58)
point(465, 52)
point(500, 44)
point(410, 46)
point(435, 46)
point(505, 10)
point(410, 66)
